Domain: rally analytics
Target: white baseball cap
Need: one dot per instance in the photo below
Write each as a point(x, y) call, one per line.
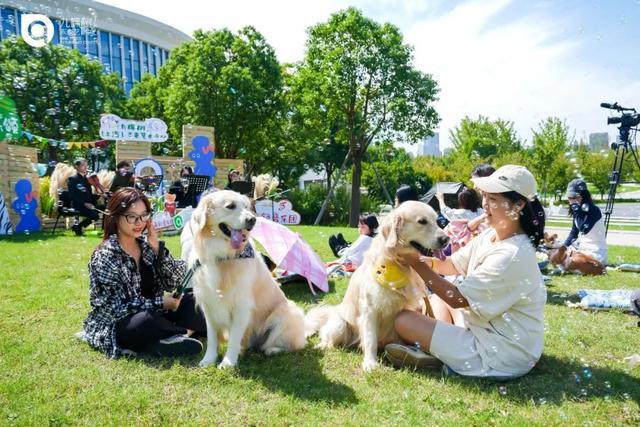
point(508, 178)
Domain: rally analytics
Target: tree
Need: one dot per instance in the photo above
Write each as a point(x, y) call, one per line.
point(147, 100)
point(358, 75)
point(560, 173)
point(483, 139)
point(596, 169)
point(549, 141)
point(394, 167)
point(232, 82)
point(59, 93)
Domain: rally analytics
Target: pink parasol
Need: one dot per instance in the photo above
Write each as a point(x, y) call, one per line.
point(290, 252)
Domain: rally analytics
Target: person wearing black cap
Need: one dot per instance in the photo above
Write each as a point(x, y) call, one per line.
point(354, 253)
point(585, 249)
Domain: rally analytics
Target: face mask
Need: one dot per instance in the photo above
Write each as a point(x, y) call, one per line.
point(575, 207)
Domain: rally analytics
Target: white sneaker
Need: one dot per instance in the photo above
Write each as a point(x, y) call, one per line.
point(177, 345)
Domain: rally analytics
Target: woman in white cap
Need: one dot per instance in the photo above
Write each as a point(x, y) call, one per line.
point(491, 323)
point(585, 249)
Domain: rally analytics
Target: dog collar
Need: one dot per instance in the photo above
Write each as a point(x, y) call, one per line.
point(389, 275)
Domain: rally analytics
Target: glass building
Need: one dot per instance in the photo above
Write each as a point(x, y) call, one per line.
point(125, 43)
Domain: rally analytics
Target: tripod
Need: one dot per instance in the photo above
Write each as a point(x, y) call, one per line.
point(626, 144)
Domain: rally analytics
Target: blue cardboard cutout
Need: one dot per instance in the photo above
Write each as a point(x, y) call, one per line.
point(25, 205)
point(5, 220)
point(203, 154)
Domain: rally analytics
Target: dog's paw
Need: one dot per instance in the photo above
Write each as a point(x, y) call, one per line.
point(226, 364)
point(208, 360)
point(369, 365)
point(270, 351)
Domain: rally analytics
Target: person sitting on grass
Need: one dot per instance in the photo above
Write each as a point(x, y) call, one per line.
point(585, 249)
point(128, 275)
point(492, 323)
point(354, 253)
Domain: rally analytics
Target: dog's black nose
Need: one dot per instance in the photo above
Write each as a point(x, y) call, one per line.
point(250, 222)
point(443, 241)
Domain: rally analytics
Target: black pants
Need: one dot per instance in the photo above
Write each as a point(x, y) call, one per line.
point(139, 330)
point(89, 214)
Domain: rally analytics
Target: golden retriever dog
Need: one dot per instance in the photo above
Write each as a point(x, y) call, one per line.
point(232, 286)
point(382, 286)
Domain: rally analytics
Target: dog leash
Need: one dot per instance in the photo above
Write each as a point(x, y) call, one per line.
point(186, 279)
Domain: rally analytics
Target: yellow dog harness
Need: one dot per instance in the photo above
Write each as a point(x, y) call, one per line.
point(389, 275)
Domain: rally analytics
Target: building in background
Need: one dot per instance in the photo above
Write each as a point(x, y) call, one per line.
point(124, 42)
point(430, 146)
point(598, 141)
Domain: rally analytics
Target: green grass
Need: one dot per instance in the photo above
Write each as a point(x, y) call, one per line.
point(47, 377)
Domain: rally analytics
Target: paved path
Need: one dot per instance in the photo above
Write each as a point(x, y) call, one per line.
point(623, 238)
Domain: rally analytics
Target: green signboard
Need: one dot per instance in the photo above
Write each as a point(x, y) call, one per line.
point(10, 127)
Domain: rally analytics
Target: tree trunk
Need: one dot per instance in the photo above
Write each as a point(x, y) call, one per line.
point(354, 213)
point(53, 155)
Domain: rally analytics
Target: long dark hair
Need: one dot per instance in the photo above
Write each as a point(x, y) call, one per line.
point(586, 200)
point(118, 205)
point(532, 217)
point(468, 199)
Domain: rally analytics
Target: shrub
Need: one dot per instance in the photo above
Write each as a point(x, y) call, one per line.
point(47, 203)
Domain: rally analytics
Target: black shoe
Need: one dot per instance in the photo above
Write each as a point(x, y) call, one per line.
point(333, 244)
point(77, 230)
point(177, 345)
point(341, 241)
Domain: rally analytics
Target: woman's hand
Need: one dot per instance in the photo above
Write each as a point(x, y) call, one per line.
point(152, 237)
point(171, 303)
point(440, 197)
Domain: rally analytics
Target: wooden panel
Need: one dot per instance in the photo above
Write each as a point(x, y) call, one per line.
point(171, 166)
point(223, 166)
point(188, 132)
point(132, 150)
point(20, 151)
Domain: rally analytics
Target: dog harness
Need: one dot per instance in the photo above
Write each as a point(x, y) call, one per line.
point(389, 275)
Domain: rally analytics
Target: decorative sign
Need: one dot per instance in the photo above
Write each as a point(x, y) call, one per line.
point(162, 220)
point(198, 145)
point(281, 211)
point(25, 205)
point(182, 218)
point(10, 126)
point(150, 130)
point(150, 168)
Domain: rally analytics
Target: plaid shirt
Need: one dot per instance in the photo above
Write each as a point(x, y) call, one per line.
point(115, 289)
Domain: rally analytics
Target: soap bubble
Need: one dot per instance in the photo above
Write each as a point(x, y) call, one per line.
point(503, 390)
point(449, 293)
point(585, 207)
point(586, 372)
point(542, 401)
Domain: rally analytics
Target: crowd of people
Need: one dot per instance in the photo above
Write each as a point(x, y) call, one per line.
point(488, 323)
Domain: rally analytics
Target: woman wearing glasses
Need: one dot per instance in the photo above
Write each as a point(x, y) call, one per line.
point(128, 276)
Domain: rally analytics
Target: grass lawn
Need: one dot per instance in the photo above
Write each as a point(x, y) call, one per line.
point(47, 377)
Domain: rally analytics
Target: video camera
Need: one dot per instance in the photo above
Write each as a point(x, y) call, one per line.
point(626, 120)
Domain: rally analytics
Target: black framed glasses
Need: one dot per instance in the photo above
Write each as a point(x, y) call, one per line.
point(134, 219)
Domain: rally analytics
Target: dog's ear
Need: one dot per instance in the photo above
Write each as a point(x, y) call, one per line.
point(391, 229)
point(199, 216)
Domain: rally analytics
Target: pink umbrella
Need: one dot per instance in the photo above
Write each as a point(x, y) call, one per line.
point(290, 252)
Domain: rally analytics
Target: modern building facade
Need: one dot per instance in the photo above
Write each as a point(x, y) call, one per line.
point(430, 146)
point(124, 42)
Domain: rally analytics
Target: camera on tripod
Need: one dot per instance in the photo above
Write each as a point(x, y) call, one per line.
point(627, 120)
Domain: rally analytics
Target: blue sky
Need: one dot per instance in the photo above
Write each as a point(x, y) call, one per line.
point(511, 59)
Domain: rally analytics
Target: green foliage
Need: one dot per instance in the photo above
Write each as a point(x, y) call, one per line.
point(596, 168)
point(358, 76)
point(47, 203)
point(395, 167)
point(59, 93)
point(550, 140)
point(231, 81)
point(559, 174)
point(484, 139)
point(308, 203)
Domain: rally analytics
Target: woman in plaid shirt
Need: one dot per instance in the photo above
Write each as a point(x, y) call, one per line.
point(128, 276)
